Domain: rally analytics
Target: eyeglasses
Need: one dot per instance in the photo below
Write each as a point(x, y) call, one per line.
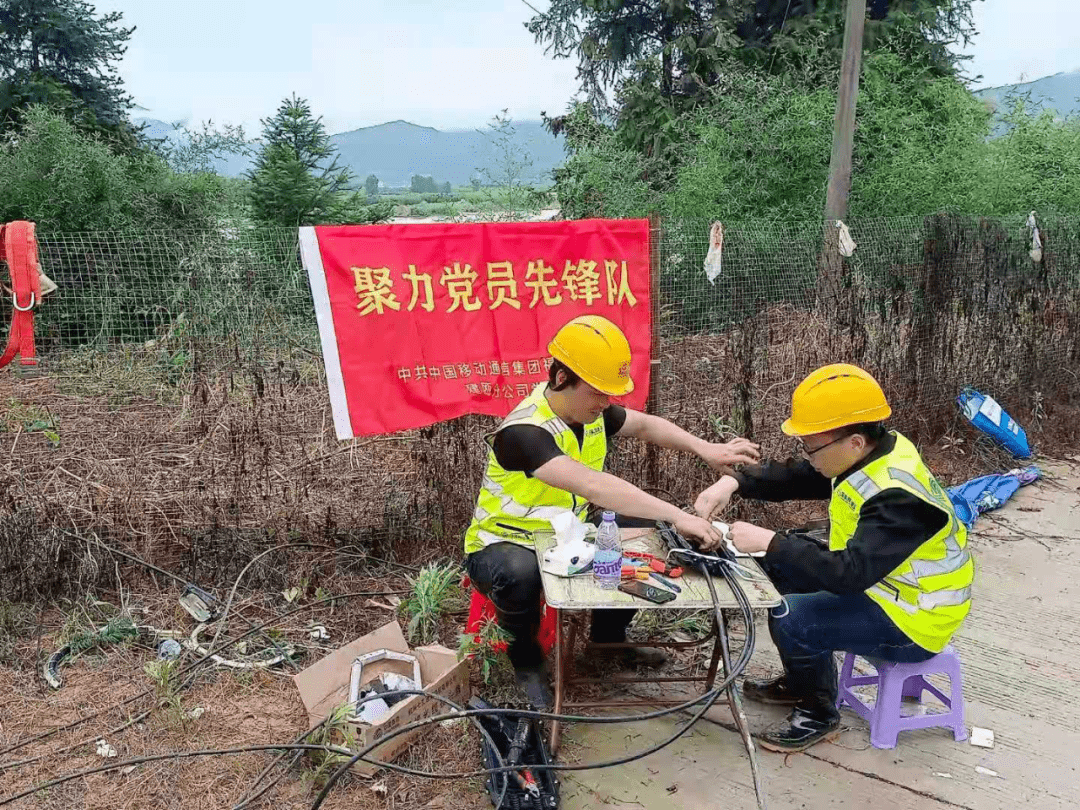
point(806, 451)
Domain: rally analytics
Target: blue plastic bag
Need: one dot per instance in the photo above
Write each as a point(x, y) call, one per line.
point(988, 492)
point(989, 417)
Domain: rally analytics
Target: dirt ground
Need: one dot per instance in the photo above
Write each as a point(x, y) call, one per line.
point(1018, 649)
point(239, 708)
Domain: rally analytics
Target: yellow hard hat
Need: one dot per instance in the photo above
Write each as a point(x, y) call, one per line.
point(833, 397)
point(597, 351)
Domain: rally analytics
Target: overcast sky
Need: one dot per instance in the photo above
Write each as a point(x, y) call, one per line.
point(441, 63)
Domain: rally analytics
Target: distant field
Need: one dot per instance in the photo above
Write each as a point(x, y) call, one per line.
point(465, 200)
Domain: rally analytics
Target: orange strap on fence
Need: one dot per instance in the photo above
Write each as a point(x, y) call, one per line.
point(18, 248)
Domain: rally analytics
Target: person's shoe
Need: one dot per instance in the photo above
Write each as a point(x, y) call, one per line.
point(774, 691)
point(534, 683)
point(803, 728)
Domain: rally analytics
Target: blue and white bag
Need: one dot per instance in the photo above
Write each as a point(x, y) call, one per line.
point(989, 417)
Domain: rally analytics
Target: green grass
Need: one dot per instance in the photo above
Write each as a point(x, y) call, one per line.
point(436, 591)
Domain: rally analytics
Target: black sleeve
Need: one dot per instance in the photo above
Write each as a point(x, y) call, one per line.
point(524, 448)
point(891, 526)
point(614, 419)
point(791, 480)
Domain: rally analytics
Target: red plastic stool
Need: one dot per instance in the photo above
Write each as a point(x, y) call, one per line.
point(482, 609)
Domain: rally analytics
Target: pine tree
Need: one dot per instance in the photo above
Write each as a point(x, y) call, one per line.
point(296, 179)
point(60, 53)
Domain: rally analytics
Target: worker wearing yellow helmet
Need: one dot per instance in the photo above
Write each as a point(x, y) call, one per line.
point(893, 581)
point(547, 457)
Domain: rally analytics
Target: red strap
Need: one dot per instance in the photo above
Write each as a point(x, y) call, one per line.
point(19, 248)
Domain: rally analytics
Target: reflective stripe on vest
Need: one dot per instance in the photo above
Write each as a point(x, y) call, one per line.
point(929, 594)
point(512, 506)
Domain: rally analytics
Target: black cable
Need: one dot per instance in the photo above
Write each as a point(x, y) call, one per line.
point(295, 746)
point(249, 797)
point(187, 668)
point(707, 699)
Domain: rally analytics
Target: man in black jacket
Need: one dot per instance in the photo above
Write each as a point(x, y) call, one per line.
point(894, 581)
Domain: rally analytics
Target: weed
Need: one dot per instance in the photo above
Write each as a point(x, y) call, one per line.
point(334, 731)
point(488, 647)
point(163, 675)
point(435, 591)
point(665, 623)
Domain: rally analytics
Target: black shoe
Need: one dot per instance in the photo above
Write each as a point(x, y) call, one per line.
point(803, 728)
point(774, 691)
point(534, 683)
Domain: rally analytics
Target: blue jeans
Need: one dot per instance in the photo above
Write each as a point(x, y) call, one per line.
point(818, 624)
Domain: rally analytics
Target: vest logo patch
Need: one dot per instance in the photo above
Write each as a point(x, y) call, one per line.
point(593, 431)
point(846, 498)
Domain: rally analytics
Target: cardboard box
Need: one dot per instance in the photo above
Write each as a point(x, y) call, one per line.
point(325, 685)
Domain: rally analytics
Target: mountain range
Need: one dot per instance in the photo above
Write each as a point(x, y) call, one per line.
point(397, 150)
point(1060, 93)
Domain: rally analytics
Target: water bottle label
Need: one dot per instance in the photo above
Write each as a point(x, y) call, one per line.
point(607, 564)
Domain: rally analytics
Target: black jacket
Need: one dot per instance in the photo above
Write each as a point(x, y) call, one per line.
point(892, 525)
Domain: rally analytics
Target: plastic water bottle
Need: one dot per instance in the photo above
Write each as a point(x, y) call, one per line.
point(607, 561)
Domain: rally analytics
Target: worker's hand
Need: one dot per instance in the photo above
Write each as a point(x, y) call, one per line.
point(721, 456)
point(750, 539)
point(699, 530)
point(716, 498)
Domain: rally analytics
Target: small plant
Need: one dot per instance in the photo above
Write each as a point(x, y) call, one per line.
point(666, 623)
point(118, 630)
point(335, 731)
point(952, 443)
point(166, 686)
point(436, 591)
point(488, 647)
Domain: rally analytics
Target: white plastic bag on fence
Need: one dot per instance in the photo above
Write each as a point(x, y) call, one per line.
point(847, 244)
point(1036, 251)
point(714, 258)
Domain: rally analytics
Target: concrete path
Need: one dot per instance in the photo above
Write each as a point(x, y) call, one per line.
point(1021, 654)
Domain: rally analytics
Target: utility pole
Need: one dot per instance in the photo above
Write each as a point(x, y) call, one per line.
point(836, 199)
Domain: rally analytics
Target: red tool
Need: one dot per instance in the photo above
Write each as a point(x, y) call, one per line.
point(655, 563)
point(635, 572)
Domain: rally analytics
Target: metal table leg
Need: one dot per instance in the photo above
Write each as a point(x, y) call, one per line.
point(735, 701)
point(560, 680)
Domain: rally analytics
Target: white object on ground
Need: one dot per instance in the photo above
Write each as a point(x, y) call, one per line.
point(985, 771)
point(982, 737)
point(943, 775)
point(105, 750)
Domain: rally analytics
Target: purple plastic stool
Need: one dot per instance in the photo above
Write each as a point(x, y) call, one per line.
point(897, 681)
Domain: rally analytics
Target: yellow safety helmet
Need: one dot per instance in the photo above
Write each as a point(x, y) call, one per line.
point(833, 397)
point(597, 351)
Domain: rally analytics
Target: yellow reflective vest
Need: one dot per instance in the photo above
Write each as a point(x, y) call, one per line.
point(512, 506)
point(929, 594)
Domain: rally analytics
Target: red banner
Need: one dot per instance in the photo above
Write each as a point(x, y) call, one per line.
point(423, 323)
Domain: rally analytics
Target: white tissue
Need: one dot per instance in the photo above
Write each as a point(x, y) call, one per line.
point(570, 554)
